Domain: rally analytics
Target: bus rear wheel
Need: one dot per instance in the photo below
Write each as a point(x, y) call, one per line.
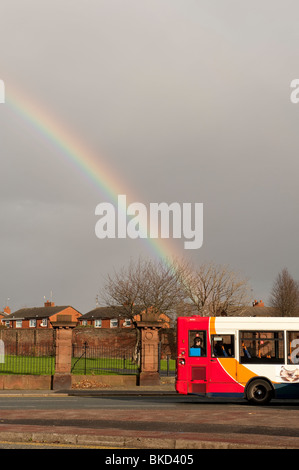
point(259, 392)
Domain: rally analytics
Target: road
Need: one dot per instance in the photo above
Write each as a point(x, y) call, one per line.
point(103, 402)
point(175, 402)
point(158, 421)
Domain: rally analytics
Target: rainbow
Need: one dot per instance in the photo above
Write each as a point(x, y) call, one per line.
point(91, 165)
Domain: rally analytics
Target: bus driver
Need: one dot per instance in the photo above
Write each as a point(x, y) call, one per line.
point(197, 348)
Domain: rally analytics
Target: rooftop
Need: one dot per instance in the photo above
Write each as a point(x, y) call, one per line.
point(36, 312)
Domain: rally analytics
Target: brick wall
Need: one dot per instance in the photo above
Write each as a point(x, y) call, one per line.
point(115, 337)
point(168, 340)
point(27, 336)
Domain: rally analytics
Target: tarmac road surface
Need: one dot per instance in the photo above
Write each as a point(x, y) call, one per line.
point(166, 421)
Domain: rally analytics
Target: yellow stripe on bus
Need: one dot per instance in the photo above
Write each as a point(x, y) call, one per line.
point(237, 371)
point(212, 326)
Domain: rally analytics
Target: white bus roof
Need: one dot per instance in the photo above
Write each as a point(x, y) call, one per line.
point(251, 323)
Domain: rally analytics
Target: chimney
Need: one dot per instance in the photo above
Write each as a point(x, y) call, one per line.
point(49, 304)
point(7, 310)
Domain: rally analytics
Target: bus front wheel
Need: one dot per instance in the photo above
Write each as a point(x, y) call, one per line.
point(259, 392)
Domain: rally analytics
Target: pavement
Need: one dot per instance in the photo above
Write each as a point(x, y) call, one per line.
point(163, 389)
point(210, 427)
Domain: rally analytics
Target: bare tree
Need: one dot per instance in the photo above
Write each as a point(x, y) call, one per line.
point(285, 294)
point(214, 289)
point(122, 288)
point(152, 286)
point(144, 285)
point(164, 287)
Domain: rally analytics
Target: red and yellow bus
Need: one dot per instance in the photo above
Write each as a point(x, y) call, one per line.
point(252, 357)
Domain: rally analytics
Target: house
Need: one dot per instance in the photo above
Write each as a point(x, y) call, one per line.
point(41, 317)
point(107, 317)
point(258, 309)
point(116, 317)
point(5, 313)
point(162, 317)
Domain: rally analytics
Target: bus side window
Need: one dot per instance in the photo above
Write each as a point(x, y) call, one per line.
point(293, 347)
point(197, 343)
point(223, 345)
point(262, 347)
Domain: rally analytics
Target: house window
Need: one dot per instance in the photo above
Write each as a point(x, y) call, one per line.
point(84, 322)
point(98, 323)
point(32, 323)
point(127, 322)
point(113, 323)
point(7, 323)
point(44, 322)
point(18, 323)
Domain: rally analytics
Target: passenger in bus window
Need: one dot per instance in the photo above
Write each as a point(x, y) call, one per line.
point(245, 351)
point(219, 349)
point(197, 348)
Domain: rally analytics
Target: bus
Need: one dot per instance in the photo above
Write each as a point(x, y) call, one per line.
point(256, 358)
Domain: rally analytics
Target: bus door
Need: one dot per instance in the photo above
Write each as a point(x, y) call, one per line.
point(198, 362)
point(223, 365)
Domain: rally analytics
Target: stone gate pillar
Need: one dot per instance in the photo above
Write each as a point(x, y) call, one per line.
point(63, 354)
point(149, 361)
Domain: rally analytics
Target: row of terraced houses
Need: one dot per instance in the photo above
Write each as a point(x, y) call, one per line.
point(100, 317)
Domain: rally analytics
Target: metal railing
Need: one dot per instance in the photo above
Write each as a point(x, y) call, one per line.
point(27, 359)
point(36, 359)
point(166, 366)
point(98, 360)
